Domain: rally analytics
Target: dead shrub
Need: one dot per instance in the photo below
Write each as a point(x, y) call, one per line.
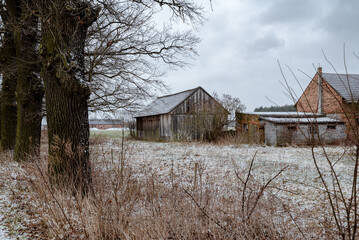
point(127, 203)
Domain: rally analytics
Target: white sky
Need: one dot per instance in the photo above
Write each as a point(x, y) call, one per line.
point(243, 39)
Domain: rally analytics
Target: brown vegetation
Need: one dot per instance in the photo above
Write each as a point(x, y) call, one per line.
point(126, 205)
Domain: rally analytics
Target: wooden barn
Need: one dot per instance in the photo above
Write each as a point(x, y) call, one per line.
point(189, 115)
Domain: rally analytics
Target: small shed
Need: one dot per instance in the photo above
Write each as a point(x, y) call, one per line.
point(251, 129)
point(302, 131)
point(282, 128)
point(191, 114)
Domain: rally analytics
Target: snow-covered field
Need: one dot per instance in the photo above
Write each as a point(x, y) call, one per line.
point(299, 186)
point(12, 217)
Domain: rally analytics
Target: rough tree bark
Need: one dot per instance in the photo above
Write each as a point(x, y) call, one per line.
point(8, 99)
point(64, 29)
point(29, 90)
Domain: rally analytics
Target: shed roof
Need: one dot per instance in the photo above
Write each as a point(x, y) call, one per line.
point(319, 120)
point(165, 104)
point(285, 114)
point(347, 85)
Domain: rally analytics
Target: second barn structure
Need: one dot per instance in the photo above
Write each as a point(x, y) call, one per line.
point(282, 128)
point(188, 115)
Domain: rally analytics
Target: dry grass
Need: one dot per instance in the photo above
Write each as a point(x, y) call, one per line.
point(124, 206)
point(128, 203)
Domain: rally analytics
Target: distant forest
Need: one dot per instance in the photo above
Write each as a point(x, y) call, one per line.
point(285, 108)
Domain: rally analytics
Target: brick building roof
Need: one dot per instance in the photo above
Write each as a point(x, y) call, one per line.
point(347, 85)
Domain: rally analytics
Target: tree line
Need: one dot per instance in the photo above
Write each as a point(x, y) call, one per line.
point(64, 58)
point(285, 108)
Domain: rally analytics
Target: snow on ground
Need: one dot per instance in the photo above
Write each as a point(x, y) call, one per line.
point(11, 218)
point(110, 129)
point(299, 186)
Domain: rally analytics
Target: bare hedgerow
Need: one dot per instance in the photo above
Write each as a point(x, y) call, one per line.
point(339, 189)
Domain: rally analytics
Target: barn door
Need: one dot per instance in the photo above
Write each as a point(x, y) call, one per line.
point(261, 133)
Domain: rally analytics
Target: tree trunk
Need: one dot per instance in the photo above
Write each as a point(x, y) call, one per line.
point(66, 92)
point(8, 99)
point(68, 132)
point(29, 90)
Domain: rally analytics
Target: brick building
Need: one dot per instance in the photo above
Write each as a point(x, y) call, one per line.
point(335, 95)
point(106, 123)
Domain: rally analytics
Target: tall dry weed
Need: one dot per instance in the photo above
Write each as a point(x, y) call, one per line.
point(128, 203)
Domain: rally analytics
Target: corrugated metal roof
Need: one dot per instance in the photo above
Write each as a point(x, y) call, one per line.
point(301, 120)
point(347, 85)
point(285, 114)
point(165, 104)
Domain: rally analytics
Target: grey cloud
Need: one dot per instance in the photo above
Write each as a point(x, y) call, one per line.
point(291, 11)
point(342, 20)
point(266, 43)
point(244, 38)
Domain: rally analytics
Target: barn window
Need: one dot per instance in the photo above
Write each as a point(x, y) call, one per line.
point(187, 107)
point(245, 127)
point(332, 127)
point(293, 127)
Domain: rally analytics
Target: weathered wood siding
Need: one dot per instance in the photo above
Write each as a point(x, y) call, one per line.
point(148, 127)
point(195, 102)
point(165, 131)
point(185, 113)
point(176, 125)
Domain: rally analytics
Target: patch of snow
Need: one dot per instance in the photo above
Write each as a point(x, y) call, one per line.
point(117, 129)
point(298, 186)
point(12, 219)
point(110, 129)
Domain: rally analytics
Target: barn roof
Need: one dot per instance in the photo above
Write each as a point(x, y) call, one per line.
point(165, 104)
point(347, 85)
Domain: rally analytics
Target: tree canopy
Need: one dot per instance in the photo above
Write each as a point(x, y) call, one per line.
point(285, 108)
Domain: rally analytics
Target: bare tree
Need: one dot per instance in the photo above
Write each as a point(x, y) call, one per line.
point(104, 48)
point(205, 121)
point(64, 31)
point(341, 196)
point(23, 22)
point(127, 50)
point(9, 79)
point(232, 104)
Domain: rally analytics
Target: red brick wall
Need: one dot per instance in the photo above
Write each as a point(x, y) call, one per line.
point(332, 104)
point(331, 101)
point(106, 126)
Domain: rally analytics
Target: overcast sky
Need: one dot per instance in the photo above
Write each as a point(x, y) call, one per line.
point(243, 39)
